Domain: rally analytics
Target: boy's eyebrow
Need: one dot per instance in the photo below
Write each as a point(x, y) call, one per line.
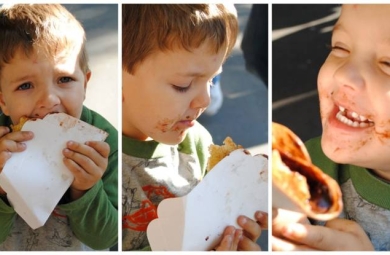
point(20, 79)
point(194, 74)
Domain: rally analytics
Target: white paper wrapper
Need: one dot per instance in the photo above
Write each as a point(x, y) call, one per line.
point(237, 185)
point(36, 179)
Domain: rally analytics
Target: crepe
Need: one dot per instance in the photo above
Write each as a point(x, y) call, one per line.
point(218, 152)
point(297, 184)
point(19, 126)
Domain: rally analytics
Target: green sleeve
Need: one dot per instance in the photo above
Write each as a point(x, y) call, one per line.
point(198, 141)
point(7, 213)
point(94, 217)
point(7, 216)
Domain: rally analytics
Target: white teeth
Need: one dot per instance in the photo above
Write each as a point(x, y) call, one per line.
point(362, 123)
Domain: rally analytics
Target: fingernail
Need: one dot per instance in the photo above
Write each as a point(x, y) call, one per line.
point(259, 215)
point(242, 220)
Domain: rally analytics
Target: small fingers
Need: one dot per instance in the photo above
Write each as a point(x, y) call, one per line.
point(101, 147)
point(89, 155)
point(247, 244)
point(262, 219)
point(251, 228)
point(279, 244)
point(4, 130)
point(230, 240)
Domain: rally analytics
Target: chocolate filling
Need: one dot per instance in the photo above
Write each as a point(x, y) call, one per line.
point(320, 200)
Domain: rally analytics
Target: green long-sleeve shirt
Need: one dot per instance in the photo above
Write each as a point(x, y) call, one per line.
point(88, 222)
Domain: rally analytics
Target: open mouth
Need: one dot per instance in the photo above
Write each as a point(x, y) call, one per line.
point(352, 119)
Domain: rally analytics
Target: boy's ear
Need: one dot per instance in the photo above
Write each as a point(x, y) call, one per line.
point(87, 77)
point(3, 107)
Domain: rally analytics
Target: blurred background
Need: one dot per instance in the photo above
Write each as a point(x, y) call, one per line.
point(301, 39)
point(244, 112)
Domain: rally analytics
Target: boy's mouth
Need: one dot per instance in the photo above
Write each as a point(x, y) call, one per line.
point(353, 119)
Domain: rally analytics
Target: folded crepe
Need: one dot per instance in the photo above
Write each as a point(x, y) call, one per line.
point(297, 184)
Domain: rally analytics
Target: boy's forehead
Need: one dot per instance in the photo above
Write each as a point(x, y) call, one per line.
point(367, 10)
point(352, 16)
point(40, 53)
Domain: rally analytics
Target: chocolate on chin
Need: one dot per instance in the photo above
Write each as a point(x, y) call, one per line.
point(297, 184)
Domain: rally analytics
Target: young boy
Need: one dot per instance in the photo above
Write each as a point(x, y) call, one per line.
point(354, 86)
point(43, 70)
point(170, 55)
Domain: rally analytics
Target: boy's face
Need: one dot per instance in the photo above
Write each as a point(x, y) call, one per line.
point(354, 89)
point(36, 86)
point(167, 93)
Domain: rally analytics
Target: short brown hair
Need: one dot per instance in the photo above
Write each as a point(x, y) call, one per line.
point(150, 27)
point(47, 27)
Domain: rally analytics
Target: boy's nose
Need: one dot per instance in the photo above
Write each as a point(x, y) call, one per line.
point(350, 75)
point(48, 99)
point(202, 100)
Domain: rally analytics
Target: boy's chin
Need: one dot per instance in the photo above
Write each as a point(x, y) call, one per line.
point(173, 138)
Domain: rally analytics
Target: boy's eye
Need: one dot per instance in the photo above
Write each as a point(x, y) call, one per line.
point(385, 66)
point(181, 89)
point(339, 51)
point(65, 79)
point(24, 86)
point(386, 63)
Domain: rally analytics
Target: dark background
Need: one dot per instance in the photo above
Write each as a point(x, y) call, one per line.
point(296, 60)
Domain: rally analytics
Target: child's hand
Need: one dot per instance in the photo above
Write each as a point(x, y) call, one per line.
point(87, 162)
point(11, 142)
point(230, 239)
point(245, 239)
point(336, 235)
point(282, 217)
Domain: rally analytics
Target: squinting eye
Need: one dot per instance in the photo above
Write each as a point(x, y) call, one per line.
point(339, 51)
point(385, 67)
point(24, 86)
point(65, 79)
point(387, 64)
point(181, 89)
point(338, 48)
